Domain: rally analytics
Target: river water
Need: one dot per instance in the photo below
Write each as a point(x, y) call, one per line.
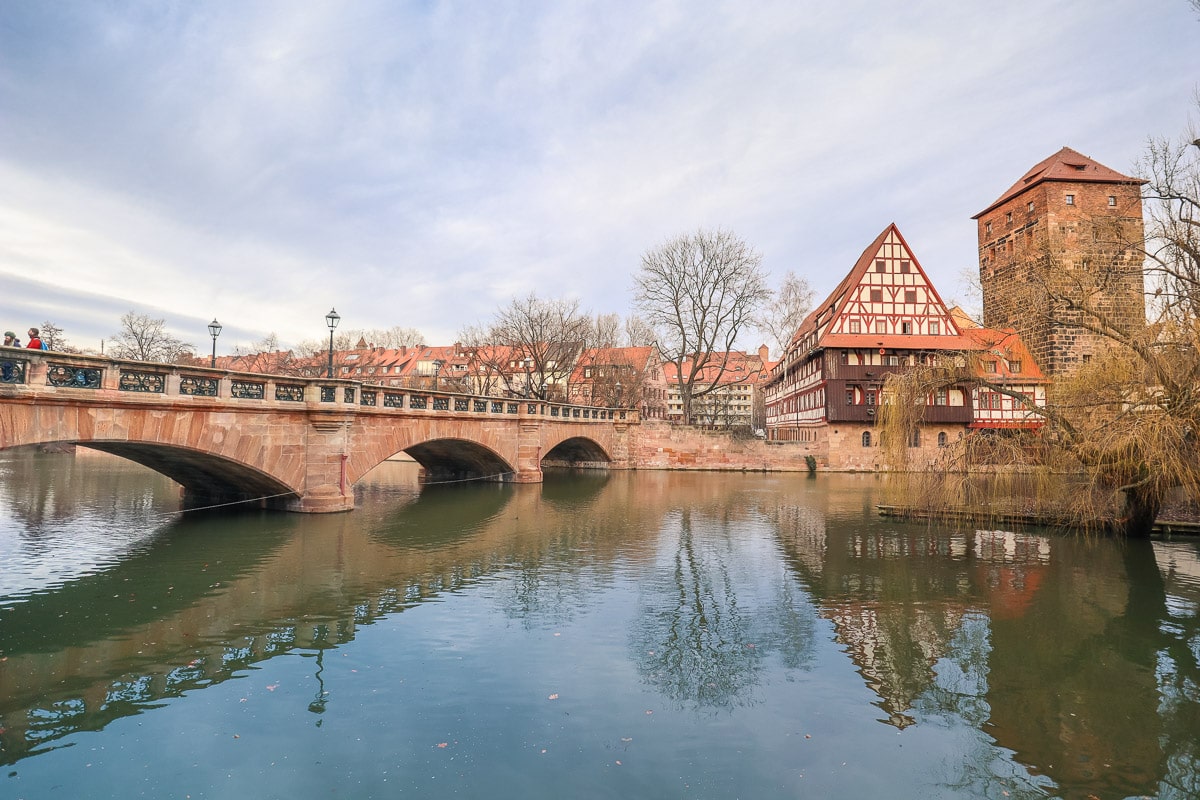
point(632, 635)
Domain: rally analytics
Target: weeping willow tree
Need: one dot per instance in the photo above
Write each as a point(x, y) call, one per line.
point(1118, 435)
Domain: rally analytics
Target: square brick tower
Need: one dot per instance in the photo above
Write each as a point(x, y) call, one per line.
point(1070, 228)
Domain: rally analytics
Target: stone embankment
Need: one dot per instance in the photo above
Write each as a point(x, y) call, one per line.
point(663, 446)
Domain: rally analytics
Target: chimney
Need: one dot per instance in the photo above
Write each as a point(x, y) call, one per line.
point(764, 352)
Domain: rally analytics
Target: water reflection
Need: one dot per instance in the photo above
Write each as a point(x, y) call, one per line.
point(1061, 666)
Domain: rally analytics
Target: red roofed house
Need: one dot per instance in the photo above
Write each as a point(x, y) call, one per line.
point(885, 316)
point(620, 377)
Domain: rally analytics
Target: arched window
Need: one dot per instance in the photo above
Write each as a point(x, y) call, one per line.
point(942, 439)
point(866, 438)
point(915, 441)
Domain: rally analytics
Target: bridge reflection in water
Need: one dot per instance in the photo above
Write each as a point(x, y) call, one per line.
point(1059, 665)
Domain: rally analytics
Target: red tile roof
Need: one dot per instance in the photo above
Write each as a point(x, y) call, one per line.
point(1065, 165)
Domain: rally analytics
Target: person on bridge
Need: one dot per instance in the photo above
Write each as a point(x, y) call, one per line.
point(11, 340)
point(35, 342)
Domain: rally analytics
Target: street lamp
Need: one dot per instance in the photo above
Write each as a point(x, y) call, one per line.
point(618, 394)
point(437, 369)
point(528, 381)
point(214, 330)
point(331, 319)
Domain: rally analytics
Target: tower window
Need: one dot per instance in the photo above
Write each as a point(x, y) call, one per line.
point(1112, 201)
point(1029, 208)
point(1070, 200)
point(1008, 217)
point(987, 228)
point(866, 439)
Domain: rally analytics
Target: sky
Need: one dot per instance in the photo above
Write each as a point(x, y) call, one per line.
point(423, 164)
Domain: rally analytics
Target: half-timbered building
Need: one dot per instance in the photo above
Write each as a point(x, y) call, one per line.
point(884, 317)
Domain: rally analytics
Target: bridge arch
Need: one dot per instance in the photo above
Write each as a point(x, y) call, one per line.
point(451, 459)
point(577, 451)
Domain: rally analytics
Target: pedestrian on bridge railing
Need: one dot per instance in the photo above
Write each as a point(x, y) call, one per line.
point(11, 340)
point(35, 342)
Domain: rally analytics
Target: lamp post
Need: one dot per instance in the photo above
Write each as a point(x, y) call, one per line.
point(331, 319)
point(618, 394)
point(528, 381)
point(214, 330)
point(437, 369)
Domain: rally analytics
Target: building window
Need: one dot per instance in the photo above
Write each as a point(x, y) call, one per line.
point(849, 397)
point(910, 295)
point(1070, 199)
point(1008, 218)
point(870, 397)
point(877, 295)
point(1014, 366)
point(906, 328)
point(941, 438)
point(987, 228)
point(1029, 207)
point(935, 328)
point(915, 441)
point(989, 366)
point(941, 397)
point(880, 265)
point(866, 438)
point(1087, 358)
point(855, 326)
point(1112, 201)
point(880, 326)
point(904, 266)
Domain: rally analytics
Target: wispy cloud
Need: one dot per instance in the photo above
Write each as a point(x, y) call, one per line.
point(419, 164)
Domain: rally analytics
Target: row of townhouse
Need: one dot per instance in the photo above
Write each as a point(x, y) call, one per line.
point(617, 377)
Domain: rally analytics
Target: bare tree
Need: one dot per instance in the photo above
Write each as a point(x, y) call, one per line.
point(781, 317)
point(144, 338)
point(393, 337)
point(530, 347)
point(52, 336)
point(638, 332)
point(700, 291)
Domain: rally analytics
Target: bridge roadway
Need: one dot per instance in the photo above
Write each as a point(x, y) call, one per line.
point(291, 443)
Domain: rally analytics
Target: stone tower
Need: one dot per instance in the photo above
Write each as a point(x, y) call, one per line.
point(1070, 228)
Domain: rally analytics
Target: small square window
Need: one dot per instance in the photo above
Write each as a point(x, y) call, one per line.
point(1014, 366)
point(1112, 201)
point(904, 266)
point(880, 265)
point(989, 366)
point(1070, 200)
point(910, 295)
point(877, 295)
point(906, 327)
point(935, 328)
point(880, 326)
point(855, 326)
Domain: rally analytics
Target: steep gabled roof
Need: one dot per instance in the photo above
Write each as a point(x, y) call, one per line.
point(818, 327)
point(1065, 165)
point(1009, 349)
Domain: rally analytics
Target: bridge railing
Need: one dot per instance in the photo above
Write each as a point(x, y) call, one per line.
point(81, 376)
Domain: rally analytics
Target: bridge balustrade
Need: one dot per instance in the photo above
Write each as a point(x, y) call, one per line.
point(81, 375)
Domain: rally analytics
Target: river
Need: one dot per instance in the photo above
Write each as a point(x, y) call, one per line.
point(624, 635)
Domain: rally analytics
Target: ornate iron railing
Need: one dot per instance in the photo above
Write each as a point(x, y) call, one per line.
point(64, 375)
point(137, 381)
point(247, 390)
point(199, 387)
point(292, 393)
point(12, 370)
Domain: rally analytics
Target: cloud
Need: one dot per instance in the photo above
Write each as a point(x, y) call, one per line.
point(420, 164)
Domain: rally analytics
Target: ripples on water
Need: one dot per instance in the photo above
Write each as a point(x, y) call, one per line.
point(633, 635)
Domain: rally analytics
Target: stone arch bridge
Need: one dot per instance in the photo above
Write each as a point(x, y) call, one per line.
point(292, 443)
